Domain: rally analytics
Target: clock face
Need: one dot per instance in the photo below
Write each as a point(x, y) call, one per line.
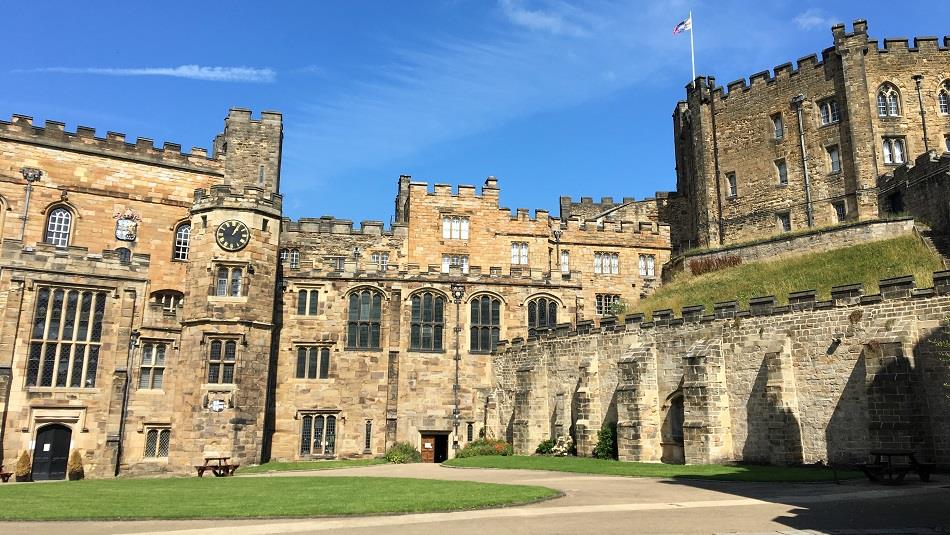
point(232, 235)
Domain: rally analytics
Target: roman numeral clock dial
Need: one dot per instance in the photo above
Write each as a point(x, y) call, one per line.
point(232, 235)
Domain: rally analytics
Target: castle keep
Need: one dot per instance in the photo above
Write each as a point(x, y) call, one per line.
point(158, 308)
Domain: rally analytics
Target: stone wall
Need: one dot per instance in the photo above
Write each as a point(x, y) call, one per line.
point(816, 241)
point(807, 382)
point(921, 190)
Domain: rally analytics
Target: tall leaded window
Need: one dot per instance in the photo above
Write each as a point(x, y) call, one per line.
point(607, 263)
point(222, 355)
point(307, 302)
point(313, 362)
point(943, 98)
point(157, 440)
point(486, 323)
point(229, 281)
point(182, 242)
point(782, 170)
point(733, 185)
point(778, 126)
point(888, 101)
point(427, 322)
point(65, 338)
point(829, 111)
point(565, 262)
point(894, 152)
point(454, 228)
point(542, 314)
point(58, 225)
point(317, 434)
point(152, 369)
point(519, 253)
point(834, 159)
point(363, 324)
point(368, 440)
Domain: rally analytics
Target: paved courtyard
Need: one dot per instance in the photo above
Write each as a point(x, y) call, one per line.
point(598, 504)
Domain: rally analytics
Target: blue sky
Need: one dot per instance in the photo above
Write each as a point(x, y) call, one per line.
point(552, 97)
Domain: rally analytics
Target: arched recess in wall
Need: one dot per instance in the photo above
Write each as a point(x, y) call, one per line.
point(60, 220)
point(672, 438)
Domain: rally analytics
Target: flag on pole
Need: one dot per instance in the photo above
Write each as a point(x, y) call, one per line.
point(683, 26)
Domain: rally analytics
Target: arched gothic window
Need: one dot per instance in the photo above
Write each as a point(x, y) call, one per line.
point(542, 314)
point(943, 98)
point(182, 242)
point(363, 324)
point(888, 101)
point(486, 323)
point(427, 322)
point(58, 225)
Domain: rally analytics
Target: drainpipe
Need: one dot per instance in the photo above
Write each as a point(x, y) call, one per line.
point(31, 175)
point(923, 114)
point(134, 335)
point(711, 84)
point(797, 104)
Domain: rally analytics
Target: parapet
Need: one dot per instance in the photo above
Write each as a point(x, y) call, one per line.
point(250, 197)
point(330, 225)
point(848, 295)
point(607, 208)
point(54, 134)
point(489, 191)
point(70, 259)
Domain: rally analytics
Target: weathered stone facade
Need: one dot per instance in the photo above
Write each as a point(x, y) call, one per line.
point(150, 348)
point(806, 382)
point(726, 137)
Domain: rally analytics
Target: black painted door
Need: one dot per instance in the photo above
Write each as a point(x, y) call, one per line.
point(441, 448)
point(51, 453)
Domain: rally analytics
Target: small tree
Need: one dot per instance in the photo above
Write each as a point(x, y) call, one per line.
point(606, 447)
point(619, 309)
point(24, 468)
point(74, 469)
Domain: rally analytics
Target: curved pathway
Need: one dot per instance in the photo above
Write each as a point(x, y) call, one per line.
point(599, 504)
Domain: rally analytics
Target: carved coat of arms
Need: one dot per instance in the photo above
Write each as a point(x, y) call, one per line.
point(127, 224)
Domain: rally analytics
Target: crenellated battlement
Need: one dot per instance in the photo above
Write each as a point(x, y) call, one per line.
point(330, 225)
point(250, 197)
point(54, 134)
point(576, 224)
point(849, 295)
point(67, 259)
point(492, 275)
point(489, 190)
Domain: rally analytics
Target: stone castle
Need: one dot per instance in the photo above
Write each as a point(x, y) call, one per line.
point(158, 308)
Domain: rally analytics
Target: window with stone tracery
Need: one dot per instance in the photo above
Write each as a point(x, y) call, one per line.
point(65, 338)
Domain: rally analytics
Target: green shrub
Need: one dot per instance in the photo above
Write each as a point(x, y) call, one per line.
point(485, 446)
point(74, 469)
point(402, 453)
point(545, 447)
point(606, 447)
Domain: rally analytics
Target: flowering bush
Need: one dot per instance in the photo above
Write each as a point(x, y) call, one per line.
point(564, 446)
point(485, 446)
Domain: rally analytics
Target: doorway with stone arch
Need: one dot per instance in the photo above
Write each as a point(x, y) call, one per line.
point(51, 452)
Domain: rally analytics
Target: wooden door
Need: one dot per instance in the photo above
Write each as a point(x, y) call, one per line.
point(428, 448)
point(51, 452)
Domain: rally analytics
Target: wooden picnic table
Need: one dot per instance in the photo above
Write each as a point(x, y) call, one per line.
point(891, 466)
point(4, 476)
point(219, 466)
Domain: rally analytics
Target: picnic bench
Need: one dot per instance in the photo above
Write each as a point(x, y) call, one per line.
point(891, 466)
point(4, 476)
point(219, 466)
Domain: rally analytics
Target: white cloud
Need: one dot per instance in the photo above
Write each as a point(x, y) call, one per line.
point(193, 72)
point(552, 20)
point(814, 18)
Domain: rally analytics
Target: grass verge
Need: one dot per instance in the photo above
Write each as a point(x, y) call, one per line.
point(585, 465)
point(867, 263)
point(252, 497)
point(308, 465)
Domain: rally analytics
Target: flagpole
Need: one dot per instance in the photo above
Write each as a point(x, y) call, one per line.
point(692, 49)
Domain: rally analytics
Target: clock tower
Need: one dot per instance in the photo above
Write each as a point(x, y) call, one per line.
point(228, 316)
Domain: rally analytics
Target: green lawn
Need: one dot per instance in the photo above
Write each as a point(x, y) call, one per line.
point(308, 465)
point(586, 465)
point(867, 263)
point(251, 497)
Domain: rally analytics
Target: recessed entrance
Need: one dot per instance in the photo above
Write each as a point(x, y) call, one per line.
point(435, 447)
point(51, 452)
